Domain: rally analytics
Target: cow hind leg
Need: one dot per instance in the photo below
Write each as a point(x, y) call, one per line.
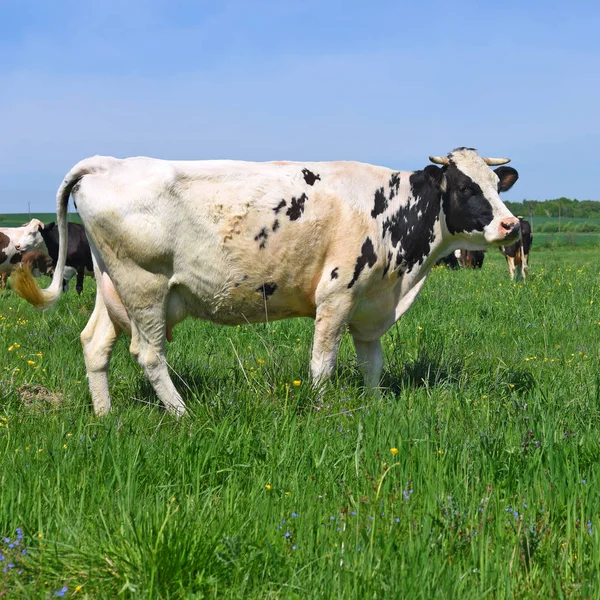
point(146, 303)
point(148, 347)
point(370, 361)
point(98, 340)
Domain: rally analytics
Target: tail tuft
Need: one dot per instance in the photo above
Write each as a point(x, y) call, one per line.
point(23, 283)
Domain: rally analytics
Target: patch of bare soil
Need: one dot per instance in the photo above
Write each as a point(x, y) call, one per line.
point(37, 396)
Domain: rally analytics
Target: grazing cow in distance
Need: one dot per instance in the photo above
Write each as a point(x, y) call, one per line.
point(9, 256)
point(345, 243)
point(472, 259)
point(45, 238)
point(450, 261)
point(517, 254)
point(37, 262)
point(463, 258)
point(10, 253)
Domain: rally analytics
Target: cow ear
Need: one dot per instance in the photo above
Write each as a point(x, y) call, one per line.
point(49, 226)
point(507, 177)
point(436, 176)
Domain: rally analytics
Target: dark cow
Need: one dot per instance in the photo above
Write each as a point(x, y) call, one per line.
point(45, 238)
point(472, 259)
point(38, 263)
point(517, 254)
point(450, 261)
point(233, 242)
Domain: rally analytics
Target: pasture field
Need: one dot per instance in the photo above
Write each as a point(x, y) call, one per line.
point(18, 219)
point(475, 475)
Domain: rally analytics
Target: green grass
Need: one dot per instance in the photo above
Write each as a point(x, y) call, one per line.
point(493, 404)
point(537, 220)
point(18, 219)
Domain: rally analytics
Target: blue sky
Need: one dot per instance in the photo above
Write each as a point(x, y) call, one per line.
point(382, 82)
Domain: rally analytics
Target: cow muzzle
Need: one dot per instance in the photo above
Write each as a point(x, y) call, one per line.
point(509, 229)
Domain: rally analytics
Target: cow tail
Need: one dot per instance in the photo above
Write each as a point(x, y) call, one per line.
point(22, 281)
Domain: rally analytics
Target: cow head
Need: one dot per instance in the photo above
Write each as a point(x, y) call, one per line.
point(32, 238)
point(471, 202)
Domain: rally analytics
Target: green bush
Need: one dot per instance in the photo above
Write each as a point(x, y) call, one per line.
point(587, 227)
point(549, 227)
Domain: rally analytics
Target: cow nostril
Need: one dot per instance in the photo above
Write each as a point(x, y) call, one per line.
point(508, 225)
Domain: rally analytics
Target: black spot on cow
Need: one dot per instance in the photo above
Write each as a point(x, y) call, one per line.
point(15, 258)
point(388, 264)
point(334, 273)
point(411, 227)
point(394, 185)
point(281, 205)
point(465, 205)
point(294, 212)
point(367, 257)
point(275, 225)
point(262, 236)
point(4, 242)
point(381, 203)
point(310, 177)
point(267, 289)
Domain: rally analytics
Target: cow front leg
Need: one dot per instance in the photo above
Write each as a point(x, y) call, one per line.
point(525, 266)
point(370, 361)
point(330, 325)
point(511, 267)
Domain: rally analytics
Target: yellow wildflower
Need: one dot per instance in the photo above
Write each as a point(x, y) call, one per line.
point(267, 487)
point(394, 451)
point(297, 382)
point(31, 362)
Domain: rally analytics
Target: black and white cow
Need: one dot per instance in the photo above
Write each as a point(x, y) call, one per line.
point(517, 254)
point(345, 243)
point(38, 236)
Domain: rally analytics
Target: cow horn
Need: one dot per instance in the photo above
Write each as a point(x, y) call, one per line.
point(439, 160)
point(494, 162)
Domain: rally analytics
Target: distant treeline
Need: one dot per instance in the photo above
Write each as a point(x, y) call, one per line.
point(560, 207)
